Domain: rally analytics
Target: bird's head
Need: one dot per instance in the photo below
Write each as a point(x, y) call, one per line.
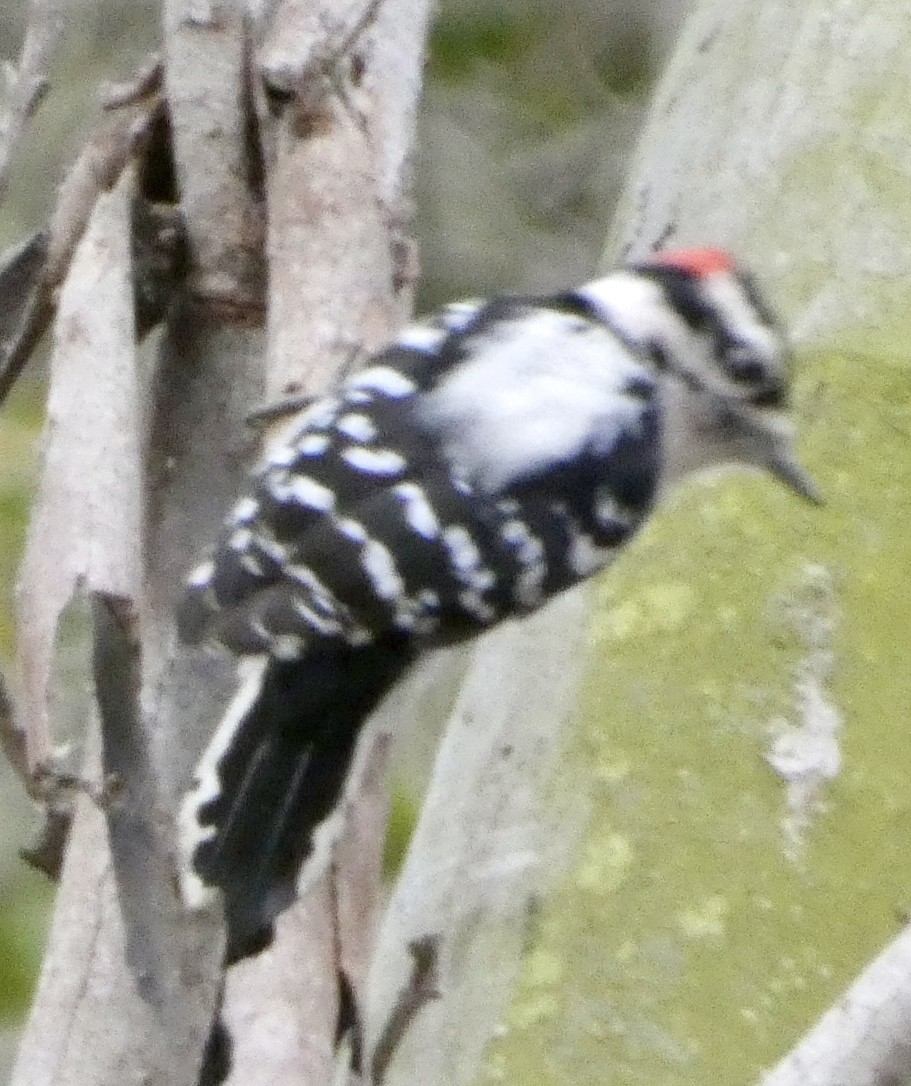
point(720, 354)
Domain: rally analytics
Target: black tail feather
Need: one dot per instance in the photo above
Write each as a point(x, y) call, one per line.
point(274, 774)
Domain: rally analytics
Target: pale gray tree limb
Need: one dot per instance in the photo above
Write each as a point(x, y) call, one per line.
point(865, 1039)
point(85, 537)
point(131, 956)
point(487, 845)
point(32, 272)
point(332, 241)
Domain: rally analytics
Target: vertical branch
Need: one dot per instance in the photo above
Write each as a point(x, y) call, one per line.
point(206, 76)
point(145, 976)
point(85, 537)
point(92, 458)
point(333, 295)
point(122, 950)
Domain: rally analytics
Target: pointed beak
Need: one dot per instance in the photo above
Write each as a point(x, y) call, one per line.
point(784, 466)
point(772, 440)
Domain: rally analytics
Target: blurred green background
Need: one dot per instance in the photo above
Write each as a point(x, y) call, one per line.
point(530, 112)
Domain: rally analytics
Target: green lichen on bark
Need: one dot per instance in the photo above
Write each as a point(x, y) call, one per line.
point(720, 901)
point(704, 924)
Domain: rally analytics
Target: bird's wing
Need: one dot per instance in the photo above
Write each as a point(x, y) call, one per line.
point(457, 480)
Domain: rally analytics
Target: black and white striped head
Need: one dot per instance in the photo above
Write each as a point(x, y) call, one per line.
point(722, 357)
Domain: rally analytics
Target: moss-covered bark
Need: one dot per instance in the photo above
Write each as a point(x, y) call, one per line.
point(743, 733)
point(718, 904)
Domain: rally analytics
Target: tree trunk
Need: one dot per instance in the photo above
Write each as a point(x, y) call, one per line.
point(696, 865)
point(290, 142)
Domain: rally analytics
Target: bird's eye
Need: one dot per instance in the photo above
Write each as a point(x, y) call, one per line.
point(658, 353)
point(745, 366)
point(765, 384)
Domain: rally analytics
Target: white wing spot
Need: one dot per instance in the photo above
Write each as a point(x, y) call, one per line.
point(303, 490)
point(321, 414)
point(417, 613)
point(609, 511)
point(476, 606)
point(375, 461)
point(240, 539)
point(458, 315)
point(350, 529)
point(386, 381)
point(462, 547)
point(406, 619)
point(531, 556)
point(380, 567)
point(245, 511)
point(252, 564)
point(466, 559)
point(304, 575)
point(418, 511)
point(530, 585)
point(421, 337)
point(357, 426)
point(322, 624)
point(282, 457)
point(202, 575)
point(429, 599)
point(287, 646)
point(312, 444)
point(258, 627)
point(585, 556)
point(271, 548)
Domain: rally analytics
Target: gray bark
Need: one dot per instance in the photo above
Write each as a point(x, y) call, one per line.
point(131, 983)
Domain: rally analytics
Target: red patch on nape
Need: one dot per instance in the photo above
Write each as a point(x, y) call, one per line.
point(698, 262)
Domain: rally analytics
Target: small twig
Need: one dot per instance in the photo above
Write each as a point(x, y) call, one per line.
point(147, 80)
point(366, 20)
point(329, 70)
point(309, 88)
point(29, 84)
point(53, 789)
point(26, 307)
point(47, 784)
point(422, 988)
point(102, 160)
point(46, 855)
point(260, 417)
point(51, 784)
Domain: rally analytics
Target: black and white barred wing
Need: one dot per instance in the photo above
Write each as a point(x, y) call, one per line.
point(446, 489)
point(345, 537)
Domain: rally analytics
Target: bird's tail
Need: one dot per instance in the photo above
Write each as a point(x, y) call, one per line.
point(274, 771)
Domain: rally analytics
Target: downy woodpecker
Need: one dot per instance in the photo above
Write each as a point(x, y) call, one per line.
point(495, 454)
